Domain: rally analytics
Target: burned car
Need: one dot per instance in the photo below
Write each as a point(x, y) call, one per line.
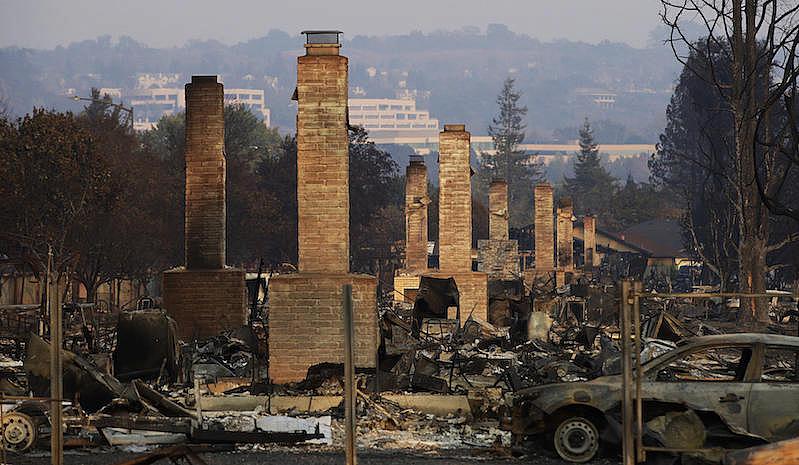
point(723, 391)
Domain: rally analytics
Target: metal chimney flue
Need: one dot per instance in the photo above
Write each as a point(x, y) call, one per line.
point(322, 42)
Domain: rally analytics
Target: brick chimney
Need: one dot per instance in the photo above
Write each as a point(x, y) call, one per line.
point(455, 200)
point(416, 202)
point(322, 156)
point(498, 210)
point(565, 235)
point(589, 241)
point(205, 297)
point(306, 326)
point(205, 174)
point(544, 228)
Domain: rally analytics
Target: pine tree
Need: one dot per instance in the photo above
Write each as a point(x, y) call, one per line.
point(507, 131)
point(507, 128)
point(592, 186)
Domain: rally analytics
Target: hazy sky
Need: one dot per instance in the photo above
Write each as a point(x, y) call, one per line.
point(160, 23)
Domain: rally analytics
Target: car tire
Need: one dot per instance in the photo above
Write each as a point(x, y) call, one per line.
point(576, 439)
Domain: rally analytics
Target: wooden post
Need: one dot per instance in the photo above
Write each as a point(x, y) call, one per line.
point(349, 379)
point(56, 366)
point(640, 455)
point(628, 447)
point(198, 403)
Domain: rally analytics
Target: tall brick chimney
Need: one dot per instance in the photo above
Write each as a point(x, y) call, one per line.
point(498, 210)
point(306, 325)
point(455, 200)
point(205, 297)
point(589, 242)
point(416, 201)
point(205, 174)
point(565, 235)
point(544, 228)
point(322, 156)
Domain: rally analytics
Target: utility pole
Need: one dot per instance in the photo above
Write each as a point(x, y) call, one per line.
point(56, 365)
point(119, 106)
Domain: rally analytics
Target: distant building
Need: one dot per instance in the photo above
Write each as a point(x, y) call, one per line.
point(250, 98)
point(149, 105)
point(114, 92)
point(389, 120)
point(603, 99)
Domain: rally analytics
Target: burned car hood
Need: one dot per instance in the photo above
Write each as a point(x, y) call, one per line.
point(603, 393)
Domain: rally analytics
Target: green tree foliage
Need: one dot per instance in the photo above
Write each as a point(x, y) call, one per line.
point(83, 185)
point(110, 202)
point(53, 176)
point(124, 234)
point(521, 171)
point(693, 164)
point(592, 186)
point(249, 147)
point(507, 129)
point(696, 165)
point(377, 197)
point(277, 183)
point(635, 203)
point(249, 215)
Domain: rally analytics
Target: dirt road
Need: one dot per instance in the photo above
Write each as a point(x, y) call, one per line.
point(300, 457)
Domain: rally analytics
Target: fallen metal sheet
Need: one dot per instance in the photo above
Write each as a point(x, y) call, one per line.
point(166, 425)
point(93, 387)
point(255, 437)
point(127, 437)
point(285, 424)
point(163, 404)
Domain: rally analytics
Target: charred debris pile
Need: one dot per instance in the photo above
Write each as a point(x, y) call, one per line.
point(442, 379)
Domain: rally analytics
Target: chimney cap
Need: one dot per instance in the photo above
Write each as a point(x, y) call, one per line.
point(417, 159)
point(329, 37)
point(454, 127)
point(204, 79)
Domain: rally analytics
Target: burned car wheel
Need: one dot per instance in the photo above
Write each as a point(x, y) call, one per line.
point(576, 439)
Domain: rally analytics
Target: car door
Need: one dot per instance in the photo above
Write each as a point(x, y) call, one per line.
point(713, 379)
point(774, 400)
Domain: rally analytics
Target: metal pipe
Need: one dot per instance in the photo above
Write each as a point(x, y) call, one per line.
point(705, 295)
point(349, 378)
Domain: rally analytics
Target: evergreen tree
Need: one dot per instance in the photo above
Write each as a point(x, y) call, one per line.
point(592, 186)
point(507, 129)
point(518, 169)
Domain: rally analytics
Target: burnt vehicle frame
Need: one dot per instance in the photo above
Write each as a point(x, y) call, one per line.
point(747, 409)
